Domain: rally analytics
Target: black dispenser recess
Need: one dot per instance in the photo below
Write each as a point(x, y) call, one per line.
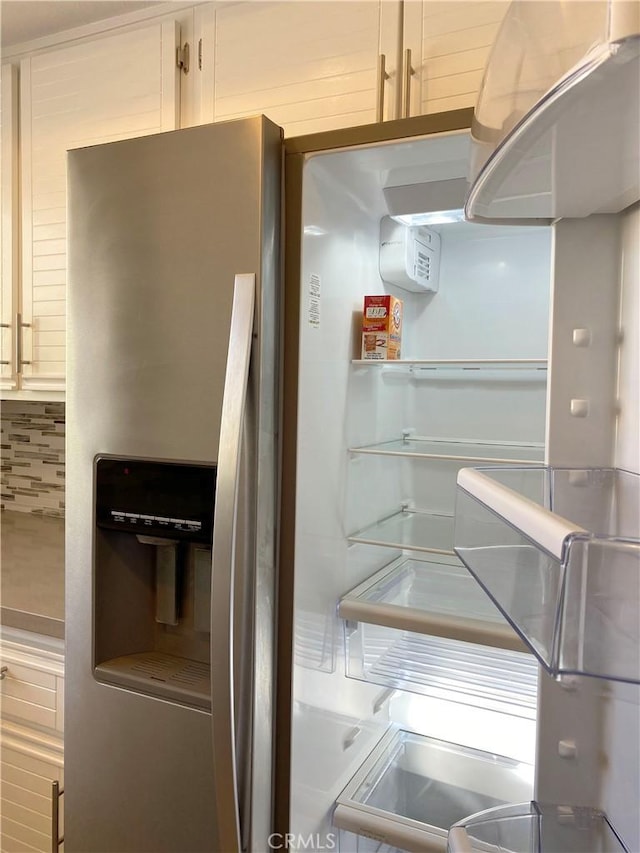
point(152, 577)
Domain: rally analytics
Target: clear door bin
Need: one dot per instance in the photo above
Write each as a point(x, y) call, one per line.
point(411, 789)
point(534, 828)
point(558, 551)
point(427, 627)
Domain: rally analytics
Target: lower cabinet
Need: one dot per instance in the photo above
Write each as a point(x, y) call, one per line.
point(31, 746)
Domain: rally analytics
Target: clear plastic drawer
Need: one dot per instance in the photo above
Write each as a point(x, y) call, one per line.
point(412, 788)
point(427, 627)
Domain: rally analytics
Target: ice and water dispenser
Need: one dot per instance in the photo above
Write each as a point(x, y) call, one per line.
point(152, 581)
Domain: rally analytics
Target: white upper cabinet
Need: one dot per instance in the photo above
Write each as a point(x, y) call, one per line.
point(449, 43)
point(112, 87)
point(308, 66)
point(312, 66)
point(8, 223)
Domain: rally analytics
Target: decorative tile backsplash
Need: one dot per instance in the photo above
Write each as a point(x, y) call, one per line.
point(32, 457)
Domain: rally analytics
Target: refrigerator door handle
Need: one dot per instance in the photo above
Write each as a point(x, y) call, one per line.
point(223, 562)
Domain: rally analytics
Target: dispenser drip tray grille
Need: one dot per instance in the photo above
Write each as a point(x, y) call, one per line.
point(158, 674)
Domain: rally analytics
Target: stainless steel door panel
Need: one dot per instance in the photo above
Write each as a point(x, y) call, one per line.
point(158, 227)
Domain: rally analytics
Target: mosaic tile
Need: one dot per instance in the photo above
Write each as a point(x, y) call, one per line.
point(32, 443)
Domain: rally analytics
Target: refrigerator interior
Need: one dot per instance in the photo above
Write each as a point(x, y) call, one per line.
point(359, 510)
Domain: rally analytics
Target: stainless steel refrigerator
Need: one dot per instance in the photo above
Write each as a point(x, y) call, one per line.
point(173, 287)
point(404, 698)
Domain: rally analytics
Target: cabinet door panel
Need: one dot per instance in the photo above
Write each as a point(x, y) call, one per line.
point(12, 845)
point(39, 823)
point(307, 66)
point(18, 777)
point(111, 88)
point(8, 223)
point(14, 831)
point(28, 768)
point(450, 44)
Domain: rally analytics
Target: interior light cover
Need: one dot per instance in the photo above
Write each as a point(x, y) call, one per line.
point(435, 217)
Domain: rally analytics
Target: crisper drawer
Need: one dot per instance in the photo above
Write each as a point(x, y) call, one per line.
point(428, 628)
point(349, 842)
point(411, 789)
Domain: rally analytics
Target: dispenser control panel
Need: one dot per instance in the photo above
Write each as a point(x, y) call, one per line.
point(169, 499)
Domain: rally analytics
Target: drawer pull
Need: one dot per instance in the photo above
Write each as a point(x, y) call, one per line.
point(56, 838)
point(3, 672)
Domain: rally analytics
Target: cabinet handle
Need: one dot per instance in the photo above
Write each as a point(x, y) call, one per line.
point(5, 326)
point(382, 76)
point(408, 71)
point(56, 838)
point(19, 360)
point(3, 672)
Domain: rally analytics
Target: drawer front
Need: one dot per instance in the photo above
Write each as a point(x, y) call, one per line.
point(31, 695)
point(18, 673)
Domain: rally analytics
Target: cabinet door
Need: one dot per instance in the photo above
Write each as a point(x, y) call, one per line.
point(106, 89)
point(308, 66)
point(30, 764)
point(449, 44)
point(8, 223)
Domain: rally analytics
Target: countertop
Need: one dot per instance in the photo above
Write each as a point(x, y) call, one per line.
point(32, 572)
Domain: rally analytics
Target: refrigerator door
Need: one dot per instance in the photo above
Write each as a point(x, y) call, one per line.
point(160, 227)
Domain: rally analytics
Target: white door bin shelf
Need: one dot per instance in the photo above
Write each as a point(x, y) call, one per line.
point(411, 789)
point(535, 828)
point(416, 626)
point(558, 551)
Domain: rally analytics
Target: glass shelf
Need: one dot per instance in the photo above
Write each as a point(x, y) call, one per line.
point(411, 530)
point(558, 551)
point(412, 788)
point(457, 363)
point(535, 828)
point(428, 628)
point(462, 451)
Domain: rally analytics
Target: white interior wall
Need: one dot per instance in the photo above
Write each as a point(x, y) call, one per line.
point(332, 730)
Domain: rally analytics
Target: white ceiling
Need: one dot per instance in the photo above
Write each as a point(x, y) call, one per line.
point(24, 20)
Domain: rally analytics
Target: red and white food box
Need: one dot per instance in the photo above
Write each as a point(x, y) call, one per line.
point(381, 328)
